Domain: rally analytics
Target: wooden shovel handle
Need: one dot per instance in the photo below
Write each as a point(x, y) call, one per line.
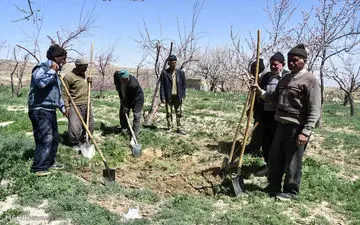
point(89, 88)
point(239, 125)
point(252, 101)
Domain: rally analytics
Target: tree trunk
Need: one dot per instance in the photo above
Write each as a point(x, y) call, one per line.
point(149, 118)
point(102, 86)
point(352, 106)
point(346, 99)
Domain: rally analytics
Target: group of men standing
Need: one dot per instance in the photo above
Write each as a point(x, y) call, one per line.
point(288, 107)
point(47, 94)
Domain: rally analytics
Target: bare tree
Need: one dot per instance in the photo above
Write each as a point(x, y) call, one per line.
point(213, 67)
point(30, 13)
point(184, 48)
point(348, 80)
point(103, 64)
point(334, 30)
point(19, 71)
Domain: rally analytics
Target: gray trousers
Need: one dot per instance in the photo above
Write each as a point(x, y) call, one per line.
point(76, 131)
point(286, 158)
point(174, 101)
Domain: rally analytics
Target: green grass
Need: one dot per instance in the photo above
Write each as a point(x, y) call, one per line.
point(326, 178)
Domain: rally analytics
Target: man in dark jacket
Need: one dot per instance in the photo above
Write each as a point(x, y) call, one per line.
point(269, 82)
point(44, 99)
point(298, 107)
point(173, 92)
point(131, 97)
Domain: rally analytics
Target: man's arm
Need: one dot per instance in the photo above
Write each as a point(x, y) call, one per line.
point(314, 106)
point(43, 78)
point(162, 91)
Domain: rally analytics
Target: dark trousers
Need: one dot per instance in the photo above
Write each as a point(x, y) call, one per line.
point(268, 133)
point(137, 109)
point(76, 131)
point(286, 157)
point(256, 139)
point(169, 104)
point(46, 137)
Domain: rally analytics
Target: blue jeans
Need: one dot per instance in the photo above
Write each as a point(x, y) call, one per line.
point(46, 137)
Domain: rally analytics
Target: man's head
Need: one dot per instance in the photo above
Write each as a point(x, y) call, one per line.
point(81, 65)
point(57, 54)
point(297, 58)
point(253, 67)
point(172, 61)
point(277, 63)
point(123, 75)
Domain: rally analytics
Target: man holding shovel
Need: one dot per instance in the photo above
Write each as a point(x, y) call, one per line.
point(269, 82)
point(298, 107)
point(77, 85)
point(131, 97)
point(44, 99)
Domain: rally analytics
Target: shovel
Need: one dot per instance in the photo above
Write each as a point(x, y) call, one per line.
point(236, 179)
point(135, 146)
point(227, 161)
point(107, 173)
point(87, 149)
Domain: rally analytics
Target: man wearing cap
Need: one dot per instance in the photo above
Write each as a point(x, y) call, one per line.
point(44, 99)
point(77, 85)
point(173, 92)
point(131, 97)
point(268, 82)
point(298, 107)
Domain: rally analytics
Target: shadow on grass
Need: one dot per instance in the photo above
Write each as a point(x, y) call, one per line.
point(109, 129)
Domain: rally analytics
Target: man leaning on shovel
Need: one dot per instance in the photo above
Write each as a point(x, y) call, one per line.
point(77, 85)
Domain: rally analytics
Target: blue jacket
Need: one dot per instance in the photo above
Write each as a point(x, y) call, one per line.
point(45, 89)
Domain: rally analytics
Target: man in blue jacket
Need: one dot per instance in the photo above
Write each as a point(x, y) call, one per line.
point(44, 99)
point(173, 92)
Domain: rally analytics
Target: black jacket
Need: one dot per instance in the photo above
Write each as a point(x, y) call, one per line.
point(134, 92)
point(166, 84)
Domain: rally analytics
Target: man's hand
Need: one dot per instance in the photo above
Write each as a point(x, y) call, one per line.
point(301, 140)
point(67, 112)
point(55, 66)
point(256, 88)
point(89, 80)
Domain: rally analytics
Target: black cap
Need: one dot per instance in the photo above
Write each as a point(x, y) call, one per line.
point(298, 50)
point(278, 57)
point(172, 58)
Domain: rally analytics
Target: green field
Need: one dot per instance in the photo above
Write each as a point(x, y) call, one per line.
point(176, 181)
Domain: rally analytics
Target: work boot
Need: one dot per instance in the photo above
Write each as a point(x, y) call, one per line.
point(42, 173)
point(124, 131)
point(262, 173)
point(285, 196)
point(179, 131)
point(57, 166)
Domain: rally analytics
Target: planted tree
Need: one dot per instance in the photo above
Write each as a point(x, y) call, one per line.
point(348, 79)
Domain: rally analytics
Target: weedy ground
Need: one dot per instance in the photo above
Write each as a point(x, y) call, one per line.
point(177, 179)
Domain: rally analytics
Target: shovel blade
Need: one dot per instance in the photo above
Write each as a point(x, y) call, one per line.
point(87, 150)
point(136, 150)
point(238, 184)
